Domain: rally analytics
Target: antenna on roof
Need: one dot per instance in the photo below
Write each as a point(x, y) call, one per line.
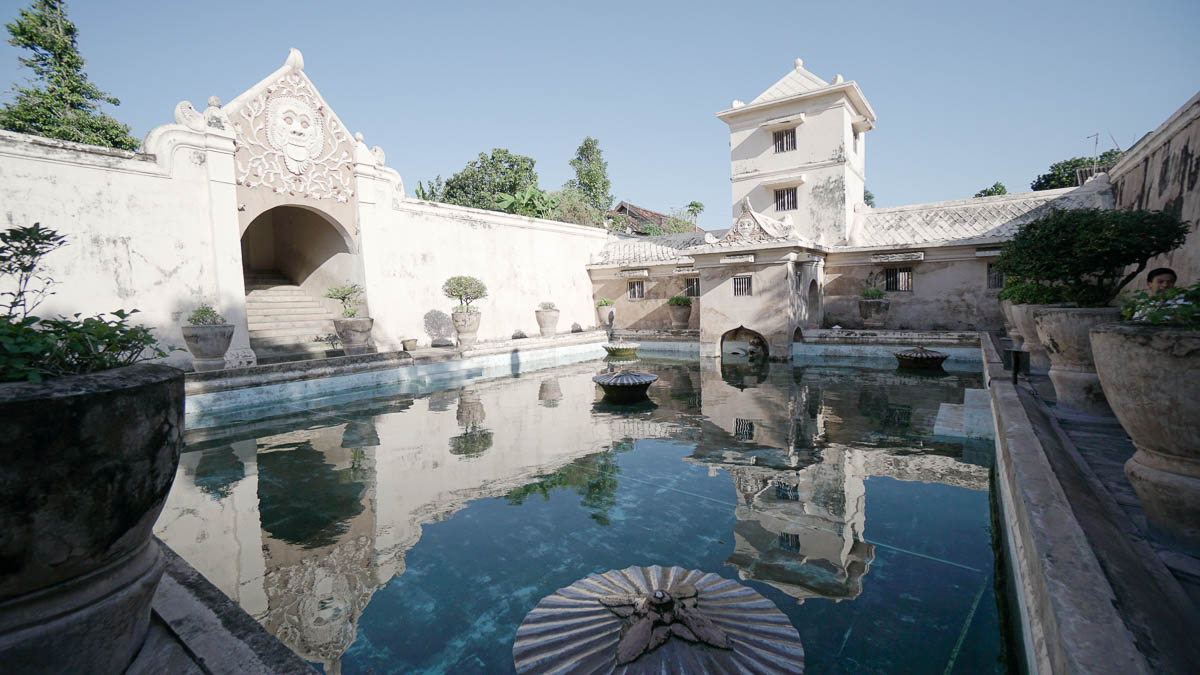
point(1095, 150)
point(1115, 143)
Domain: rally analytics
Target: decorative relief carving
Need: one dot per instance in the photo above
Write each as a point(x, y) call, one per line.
point(186, 115)
point(288, 142)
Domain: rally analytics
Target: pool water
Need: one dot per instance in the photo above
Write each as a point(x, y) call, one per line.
point(412, 533)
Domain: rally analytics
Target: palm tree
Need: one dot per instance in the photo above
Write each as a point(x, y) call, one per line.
point(694, 208)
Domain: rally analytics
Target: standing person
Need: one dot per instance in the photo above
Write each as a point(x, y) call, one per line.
point(1160, 279)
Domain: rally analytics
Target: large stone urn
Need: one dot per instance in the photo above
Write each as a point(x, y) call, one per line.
point(86, 462)
point(1151, 376)
point(680, 316)
point(355, 334)
point(1064, 335)
point(873, 312)
point(547, 320)
point(208, 345)
point(1039, 360)
point(1010, 325)
point(467, 326)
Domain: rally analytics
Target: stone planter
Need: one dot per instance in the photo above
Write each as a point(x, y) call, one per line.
point(549, 392)
point(547, 321)
point(86, 462)
point(467, 325)
point(355, 334)
point(1039, 361)
point(1063, 333)
point(680, 316)
point(607, 316)
point(1010, 325)
point(409, 344)
point(1151, 376)
point(208, 345)
point(873, 312)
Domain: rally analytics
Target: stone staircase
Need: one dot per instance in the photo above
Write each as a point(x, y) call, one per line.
point(284, 321)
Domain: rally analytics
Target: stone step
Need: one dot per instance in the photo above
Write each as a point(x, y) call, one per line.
point(277, 323)
point(286, 309)
point(275, 290)
point(297, 334)
point(260, 296)
point(270, 304)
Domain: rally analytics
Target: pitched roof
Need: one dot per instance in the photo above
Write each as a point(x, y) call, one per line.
point(797, 81)
point(968, 221)
point(639, 213)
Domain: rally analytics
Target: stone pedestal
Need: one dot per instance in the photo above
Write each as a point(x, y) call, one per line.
point(1064, 334)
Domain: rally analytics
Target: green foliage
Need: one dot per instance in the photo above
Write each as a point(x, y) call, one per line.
point(32, 348)
point(594, 478)
point(679, 220)
point(482, 179)
point(573, 207)
point(650, 230)
point(1086, 251)
point(872, 293)
point(530, 202)
point(694, 208)
point(1021, 292)
point(997, 188)
point(60, 103)
point(471, 443)
point(205, 315)
point(868, 198)
point(680, 301)
point(466, 290)
point(21, 253)
point(1172, 307)
point(350, 296)
point(547, 307)
point(620, 222)
point(434, 192)
point(1062, 174)
point(591, 175)
point(604, 302)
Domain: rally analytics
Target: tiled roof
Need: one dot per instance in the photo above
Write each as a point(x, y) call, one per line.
point(651, 250)
point(798, 81)
point(638, 213)
point(966, 221)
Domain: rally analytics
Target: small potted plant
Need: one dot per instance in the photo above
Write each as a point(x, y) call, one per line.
point(1090, 255)
point(207, 337)
point(607, 313)
point(547, 318)
point(680, 307)
point(466, 318)
point(1149, 366)
point(353, 330)
point(873, 304)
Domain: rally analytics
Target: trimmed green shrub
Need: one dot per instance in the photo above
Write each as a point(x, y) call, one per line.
point(466, 290)
point(205, 315)
point(350, 296)
point(872, 293)
point(680, 301)
point(604, 302)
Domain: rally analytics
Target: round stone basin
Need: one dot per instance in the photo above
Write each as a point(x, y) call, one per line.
point(920, 358)
point(621, 349)
point(626, 386)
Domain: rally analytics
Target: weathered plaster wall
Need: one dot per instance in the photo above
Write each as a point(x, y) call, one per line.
point(772, 311)
point(411, 247)
point(650, 312)
point(1161, 173)
point(949, 291)
point(156, 233)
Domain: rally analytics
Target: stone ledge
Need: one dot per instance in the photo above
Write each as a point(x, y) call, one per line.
point(888, 337)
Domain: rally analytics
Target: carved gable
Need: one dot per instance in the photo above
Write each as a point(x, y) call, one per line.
point(288, 141)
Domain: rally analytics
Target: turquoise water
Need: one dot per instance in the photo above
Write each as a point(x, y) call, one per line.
point(413, 533)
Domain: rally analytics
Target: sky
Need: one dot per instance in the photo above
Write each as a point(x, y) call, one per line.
point(966, 93)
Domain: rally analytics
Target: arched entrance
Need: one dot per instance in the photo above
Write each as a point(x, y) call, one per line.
point(291, 256)
point(813, 306)
point(743, 342)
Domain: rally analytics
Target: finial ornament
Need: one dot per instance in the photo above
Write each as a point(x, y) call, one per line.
point(214, 102)
point(295, 59)
point(799, 64)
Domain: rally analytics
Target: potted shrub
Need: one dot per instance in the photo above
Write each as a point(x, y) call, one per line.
point(1149, 366)
point(466, 318)
point(1025, 297)
point(547, 318)
point(607, 313)
point(1010, 324)
point(353, 330)
point(873, 307)
point(1090, 255)
point(680, 307)
point(90, 446)
point(207, 337)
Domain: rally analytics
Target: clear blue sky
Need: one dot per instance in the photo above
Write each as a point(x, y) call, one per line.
point(967, 93)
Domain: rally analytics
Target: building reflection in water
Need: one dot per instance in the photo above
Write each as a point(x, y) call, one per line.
point(317, 512)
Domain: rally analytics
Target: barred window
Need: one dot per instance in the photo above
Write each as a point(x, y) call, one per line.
point(743, 430)
point(691, 287)
point(898, 279)
point(995, 278)
point(637, 290)
point(788, 542)
point(785, 199)
point(742, 286)
point(785, 140)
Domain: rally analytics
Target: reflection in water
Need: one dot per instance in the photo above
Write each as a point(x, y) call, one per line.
point(302, 520)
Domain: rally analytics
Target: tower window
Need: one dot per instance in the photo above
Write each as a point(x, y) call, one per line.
point(785, 141)
point(637, 290)
point(785, 199)
point(898, 279)
point(742, 286)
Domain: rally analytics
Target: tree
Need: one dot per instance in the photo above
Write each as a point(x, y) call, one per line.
point(997, 188)
point(591, 174)
point(694, 208)
point(433, 192)
point(868, 198)
point(1062, 174)
point(482, 179)
point(573, 207)
point(60, 103)
point(530, 202)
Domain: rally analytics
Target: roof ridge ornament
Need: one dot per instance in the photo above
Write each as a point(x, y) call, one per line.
point(295, 59)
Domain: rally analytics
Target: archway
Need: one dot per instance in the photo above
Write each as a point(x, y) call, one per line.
point(742, 341)
point(797, 335)
point(813, 306)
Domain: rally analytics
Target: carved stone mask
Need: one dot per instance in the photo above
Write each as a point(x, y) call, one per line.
point(294, 128)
